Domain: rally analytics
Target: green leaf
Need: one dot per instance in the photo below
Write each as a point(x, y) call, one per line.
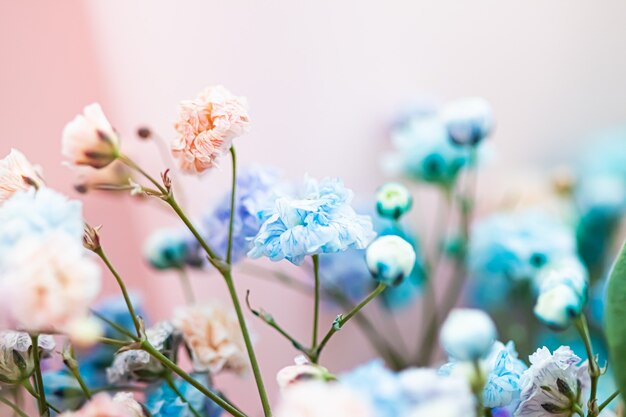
point(615, 320)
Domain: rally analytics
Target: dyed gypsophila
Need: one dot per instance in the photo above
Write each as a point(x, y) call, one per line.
point(16, 357)
point(163, 401)
point(317, 219)
point(138, 365)
point(468, 334)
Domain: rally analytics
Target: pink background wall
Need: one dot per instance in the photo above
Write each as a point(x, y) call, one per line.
point(324, 80)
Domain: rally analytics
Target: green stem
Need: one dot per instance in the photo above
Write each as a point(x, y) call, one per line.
point(231, 221)
point(100, 252)
point(145, 345)
point(41, 398)
point(248, 341)
point(16, 409)
point(170, 381)
point(342, 320)
point(181, 214)
point(316, 301)
point(478, 384)
point(76, 372)
point(608, 401)
point(594, 369)
point(115, 326)
point(131, 164)
point(29, 388)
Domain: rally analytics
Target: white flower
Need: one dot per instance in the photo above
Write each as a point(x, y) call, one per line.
point(390, 259)
point(558, 306)
point(17, 174)
point(393, 200)
point(213, 335)
point(89, 139)
point(551, 383)
point(468, 334)
point(130, 405)
point(568, 271)
point(49, 282)
point(139, 365)
point(319, 399)
point(16, 362)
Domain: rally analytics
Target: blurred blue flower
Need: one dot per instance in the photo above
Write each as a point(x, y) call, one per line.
point(504, 371)
point(37, 212)
point(468, 334)
point(62, 390)
point(162, 400)
point(508, 249)
point(167, 249)
point(600, 195)
point(319, 219)
point(252, 196)
point(347, 272)
point(468, 120)
point(424, 152)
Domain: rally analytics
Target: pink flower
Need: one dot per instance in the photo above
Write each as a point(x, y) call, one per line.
point(319, 399)
point(17, 174)
point(302, 371)
point(213, 335)
point(90, 139)
point(207, 127)
point(102, 405)
point(48, 283)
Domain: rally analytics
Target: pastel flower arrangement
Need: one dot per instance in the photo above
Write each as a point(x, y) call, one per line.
point(520, 274)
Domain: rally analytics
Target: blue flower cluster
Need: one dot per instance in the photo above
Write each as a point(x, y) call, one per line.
point(163, 401)
point(254, 189)
point(317, 219)
point(507, 250)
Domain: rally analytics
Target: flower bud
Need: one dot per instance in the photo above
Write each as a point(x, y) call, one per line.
point(568, 271)
point(393, 200)
point(90, 139)
point(390, 259)
point(468, 120)
point(166, 249)
point(558, 306)
point(16, 361)
point(468, 334)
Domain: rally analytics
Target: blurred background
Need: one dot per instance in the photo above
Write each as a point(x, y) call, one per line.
point(325, 80)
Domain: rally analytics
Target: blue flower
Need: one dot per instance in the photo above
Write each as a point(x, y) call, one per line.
point(424, 152)
point(317, 220)
point(62, 390)
point(468, 120)
point(162, 401)
point(508, 249)
point(168, 249)
point(504, 370)
point(252, 194)
point(37, 212)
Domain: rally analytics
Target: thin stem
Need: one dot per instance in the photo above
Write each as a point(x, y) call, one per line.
point(608, 401)
point(100, 252)
point(172, 202)
point(16, 409)
point(112, 342)
point(41, 398)
point(231, 221)
point(145, 345)
point(170, 381)
point(130, 163)
point(74, 370)
point(185, 282)
point(115, 326)
point(29, 388)
point(248, 341)
point(316, 302)
point(341, 320)
point(594, 370)
point(478, 385)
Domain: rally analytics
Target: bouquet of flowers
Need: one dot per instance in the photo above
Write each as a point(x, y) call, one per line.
point(537, 276)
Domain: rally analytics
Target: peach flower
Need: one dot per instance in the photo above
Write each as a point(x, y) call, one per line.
point(90, 139)
point(17, 174)
point(319, 399)
point(128, 402)
point(49, 282)
point(302, 371)
point(213, 335)
point(207, 126)
point(102, 405)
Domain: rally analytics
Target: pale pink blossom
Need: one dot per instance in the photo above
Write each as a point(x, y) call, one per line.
point(17, 174)
point(212, 333)
point(302, 371)
point(48, 283)
point(102, 405)
point(89, 139)
point(207, 126)
point(320, 399)
point(128, 402)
